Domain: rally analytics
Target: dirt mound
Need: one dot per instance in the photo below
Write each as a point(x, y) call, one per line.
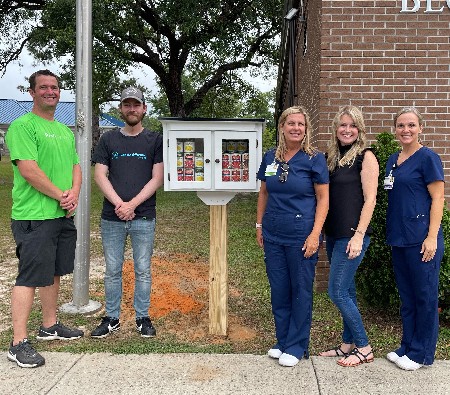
point(180, 298)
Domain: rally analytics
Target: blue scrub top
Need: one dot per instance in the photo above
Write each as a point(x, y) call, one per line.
point(291, 206)
point(409, 202)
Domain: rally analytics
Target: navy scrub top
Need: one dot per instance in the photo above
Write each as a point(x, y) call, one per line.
point(409, 202)
point(291, 206)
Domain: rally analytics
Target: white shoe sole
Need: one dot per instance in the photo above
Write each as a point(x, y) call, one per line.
point(392, 357)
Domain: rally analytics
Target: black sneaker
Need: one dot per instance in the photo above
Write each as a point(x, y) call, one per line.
point(59, 332)
point(145, 327)
point(107, 326)
point(25, 355)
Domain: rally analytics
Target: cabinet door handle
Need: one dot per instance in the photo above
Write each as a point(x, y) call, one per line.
point(207, 161)
point(217, 160)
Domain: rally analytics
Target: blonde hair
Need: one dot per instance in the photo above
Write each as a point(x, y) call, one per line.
point(406, 110)
point(334, 156)
point(305, 144)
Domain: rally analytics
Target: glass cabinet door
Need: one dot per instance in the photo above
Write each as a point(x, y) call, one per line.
point(235, 160)
point(190, 160)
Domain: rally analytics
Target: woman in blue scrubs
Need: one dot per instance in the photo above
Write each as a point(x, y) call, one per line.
point(292, 207)
point(415, 184)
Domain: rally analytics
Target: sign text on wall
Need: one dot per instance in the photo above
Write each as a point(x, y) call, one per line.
point(411, 6)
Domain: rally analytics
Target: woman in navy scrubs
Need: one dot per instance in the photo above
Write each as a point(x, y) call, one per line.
point(415, 184)
point(292, 207)
point(354, 174)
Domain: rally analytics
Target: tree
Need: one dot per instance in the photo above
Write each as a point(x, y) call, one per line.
point(207, 41)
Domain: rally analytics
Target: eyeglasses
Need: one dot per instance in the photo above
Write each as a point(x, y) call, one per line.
point(284, 173)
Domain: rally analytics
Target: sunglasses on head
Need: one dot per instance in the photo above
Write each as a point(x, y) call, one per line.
point(284, 172)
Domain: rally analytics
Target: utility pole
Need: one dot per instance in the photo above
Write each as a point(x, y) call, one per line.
point(81, 303)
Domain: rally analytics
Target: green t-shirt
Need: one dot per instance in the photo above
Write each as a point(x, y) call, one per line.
point(52, 145)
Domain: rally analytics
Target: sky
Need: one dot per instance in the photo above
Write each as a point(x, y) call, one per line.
point(17, 74)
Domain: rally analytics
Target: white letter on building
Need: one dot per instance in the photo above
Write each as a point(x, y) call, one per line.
point(430, 10)
point(415, 9)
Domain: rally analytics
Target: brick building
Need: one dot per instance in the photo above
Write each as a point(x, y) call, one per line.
point(379, 55)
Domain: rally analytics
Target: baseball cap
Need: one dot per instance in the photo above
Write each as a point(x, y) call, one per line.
point(132, 93)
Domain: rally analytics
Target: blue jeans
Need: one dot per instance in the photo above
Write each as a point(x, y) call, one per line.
point(342, 288)
point(114, 235)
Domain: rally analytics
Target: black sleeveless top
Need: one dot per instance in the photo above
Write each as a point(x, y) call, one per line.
point(346, 198)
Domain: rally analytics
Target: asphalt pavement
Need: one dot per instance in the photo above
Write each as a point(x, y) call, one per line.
point(217, 374)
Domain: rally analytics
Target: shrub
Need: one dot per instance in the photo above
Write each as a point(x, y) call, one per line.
point(375, 277)
point(444, 275)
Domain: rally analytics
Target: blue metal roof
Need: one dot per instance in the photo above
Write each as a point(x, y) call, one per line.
point(11, 109)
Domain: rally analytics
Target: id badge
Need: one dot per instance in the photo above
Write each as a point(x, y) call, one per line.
point(271, 170)
point(389, 182)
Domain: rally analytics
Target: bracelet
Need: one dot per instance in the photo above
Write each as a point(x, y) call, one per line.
point(258, 225)
point(358, 231)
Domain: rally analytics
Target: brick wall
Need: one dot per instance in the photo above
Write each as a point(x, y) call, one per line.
point(375, 57)
point(369, 54)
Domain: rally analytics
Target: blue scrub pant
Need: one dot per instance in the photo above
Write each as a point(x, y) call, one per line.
point(291, 278)
point(417, 284)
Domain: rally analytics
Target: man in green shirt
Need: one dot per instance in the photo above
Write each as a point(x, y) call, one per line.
point(47, 182)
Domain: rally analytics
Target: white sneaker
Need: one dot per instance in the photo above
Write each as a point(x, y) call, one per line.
point(274, 353)
point(407, 364)
point(288, 360)
point(392, 356)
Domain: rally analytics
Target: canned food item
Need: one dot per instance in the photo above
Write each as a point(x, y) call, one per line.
point(189, 146)
point(188, 174)
point(188, 160)
point(199, 176)
point(199, 159)
point(245, 159)
point(226, 175)
point(236, 161)
point(179, 146)
point(242, 146)
point(245, 176)
point(231, 146)
point(180, 160)
point(180, 174)
point(226, 161)
point(236, 175)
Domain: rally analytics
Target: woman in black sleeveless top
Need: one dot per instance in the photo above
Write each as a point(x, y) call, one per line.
point(353, 188)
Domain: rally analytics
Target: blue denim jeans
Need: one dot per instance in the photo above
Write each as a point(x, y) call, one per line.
point(114, 235)
point(342, 288)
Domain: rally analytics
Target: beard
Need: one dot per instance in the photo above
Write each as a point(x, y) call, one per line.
point(132, 120)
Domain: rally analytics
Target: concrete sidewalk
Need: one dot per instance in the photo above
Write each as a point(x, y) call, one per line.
point(217, 374)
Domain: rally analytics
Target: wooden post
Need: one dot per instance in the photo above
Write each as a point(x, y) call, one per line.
point(218, 271)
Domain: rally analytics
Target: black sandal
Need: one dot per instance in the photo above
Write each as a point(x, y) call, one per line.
point(338, 351)
point(363, 358)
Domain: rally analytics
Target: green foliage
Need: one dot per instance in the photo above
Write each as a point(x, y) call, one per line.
point(375, 277)
point(210, 42)
point(444, 275)
point(269, 138)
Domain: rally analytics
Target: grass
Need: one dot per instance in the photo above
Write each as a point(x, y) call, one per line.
point(183, 228)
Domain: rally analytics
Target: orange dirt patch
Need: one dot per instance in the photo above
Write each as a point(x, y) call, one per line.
point(180, 298)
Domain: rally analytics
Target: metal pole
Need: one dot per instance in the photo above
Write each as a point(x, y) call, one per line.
point(81, 302)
